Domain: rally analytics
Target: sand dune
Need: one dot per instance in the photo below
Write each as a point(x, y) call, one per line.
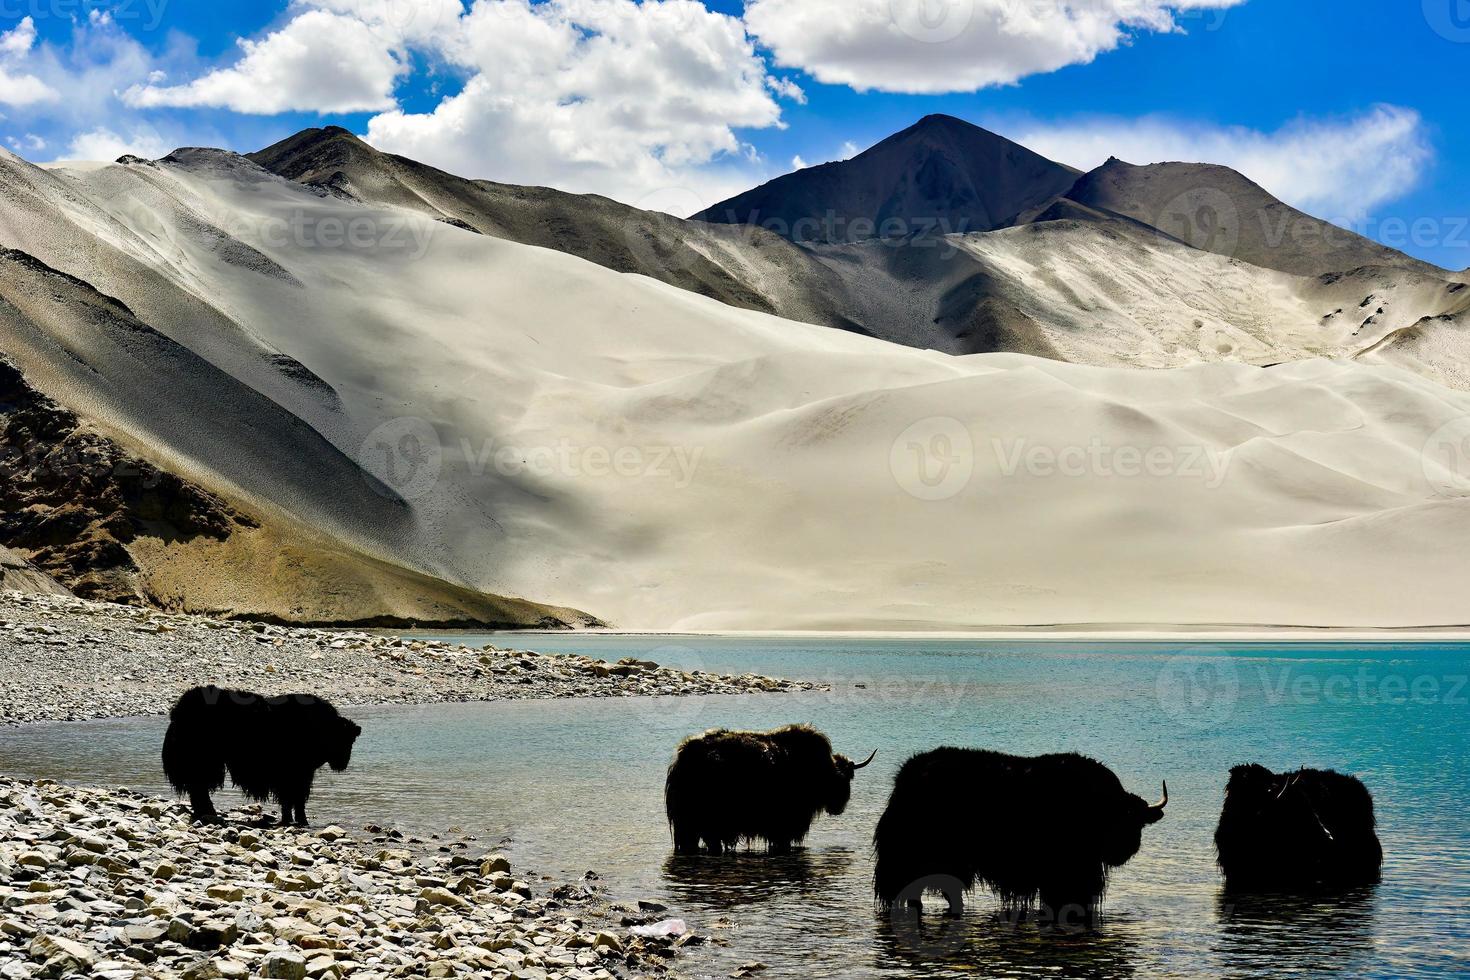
point(620, 445)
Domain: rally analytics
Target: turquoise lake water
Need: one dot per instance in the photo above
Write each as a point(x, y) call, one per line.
point(576, 786)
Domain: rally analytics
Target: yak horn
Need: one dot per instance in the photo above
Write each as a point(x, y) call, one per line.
point(1165, 801)
point(864, 765)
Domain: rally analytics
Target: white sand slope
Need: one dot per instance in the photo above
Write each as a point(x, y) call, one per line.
point(624, 447)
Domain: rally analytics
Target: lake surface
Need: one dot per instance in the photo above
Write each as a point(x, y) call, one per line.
point(577, 786)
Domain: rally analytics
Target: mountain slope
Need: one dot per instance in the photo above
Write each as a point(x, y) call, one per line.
point(1219, 210)
point(941, 175)
point(261, 497)
point(621, 445)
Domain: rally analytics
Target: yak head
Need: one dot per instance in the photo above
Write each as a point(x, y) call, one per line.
point(340, 739)
point(839, 788)
point(1123, 830)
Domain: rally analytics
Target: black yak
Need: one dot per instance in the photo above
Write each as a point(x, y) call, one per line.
point(1304, 830)
point(725, 788)
point(269, 746)
point(1051, 827)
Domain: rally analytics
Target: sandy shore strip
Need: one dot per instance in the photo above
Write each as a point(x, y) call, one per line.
point(65, 659)
point(113, 885)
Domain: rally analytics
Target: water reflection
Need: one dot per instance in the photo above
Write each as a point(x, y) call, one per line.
point(997, 944)
point(1297, 935)
point(750, 878)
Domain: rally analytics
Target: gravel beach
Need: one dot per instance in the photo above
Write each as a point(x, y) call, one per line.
point(65, 659)
point(109, 884)
point(112, 885)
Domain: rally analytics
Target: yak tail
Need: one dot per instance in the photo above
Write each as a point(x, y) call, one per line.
point(191, 759)
point(893, 841)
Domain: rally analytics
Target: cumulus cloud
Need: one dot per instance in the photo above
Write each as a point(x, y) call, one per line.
point(17, 86)
point(932, 46)
point(609, 96)
point(319, 61)
point(1337, 168)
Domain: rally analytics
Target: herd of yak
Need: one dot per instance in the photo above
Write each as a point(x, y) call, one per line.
point(1046, 830)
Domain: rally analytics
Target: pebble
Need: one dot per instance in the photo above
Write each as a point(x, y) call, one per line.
point(361, 914)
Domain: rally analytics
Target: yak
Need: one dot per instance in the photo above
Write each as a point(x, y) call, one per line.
point(1051, 828)
point(726, 787)
point(1307, 830)
point(269, 746)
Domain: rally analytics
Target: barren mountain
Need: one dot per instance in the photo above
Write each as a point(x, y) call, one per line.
point(940, 176)
point(1219, 210)
point(1077, 281)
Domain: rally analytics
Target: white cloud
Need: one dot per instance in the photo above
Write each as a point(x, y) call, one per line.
point(797, 163)
point(398, 22)
point(319, 61)
point(1337, 168)
point(931, 46)
point(17, 86)
point(103, 144)
point(608, 96)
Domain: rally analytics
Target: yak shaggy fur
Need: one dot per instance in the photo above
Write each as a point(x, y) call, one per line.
point(1051, 827)
point(727, 788)
point(1304, 830)
point(270, 747)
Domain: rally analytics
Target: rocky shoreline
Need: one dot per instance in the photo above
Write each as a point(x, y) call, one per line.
point(67, 659)
point(112, 885)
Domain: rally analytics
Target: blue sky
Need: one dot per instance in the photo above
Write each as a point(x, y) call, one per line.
point(1353, 110)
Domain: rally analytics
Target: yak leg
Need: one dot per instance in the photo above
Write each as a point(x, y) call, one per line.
point(202, 805)
point(293, 792)
point(685, 842)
